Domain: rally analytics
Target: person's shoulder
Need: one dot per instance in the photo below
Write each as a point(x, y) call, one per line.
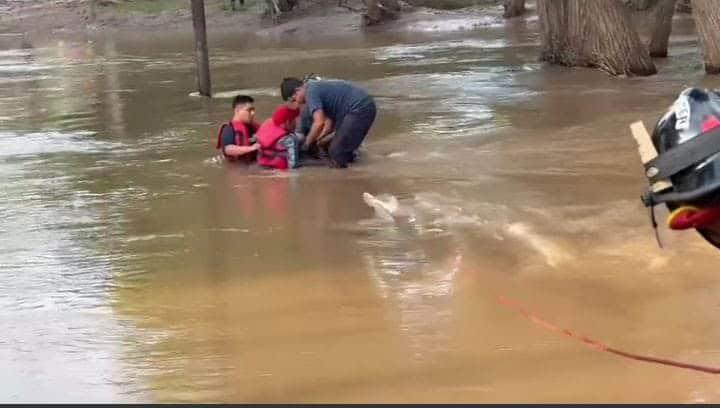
point(328, 85)
point(226, 135)
point(342, 84)
point(314, 84)
point(325, 83)
point(335, 81)
point(226, 127)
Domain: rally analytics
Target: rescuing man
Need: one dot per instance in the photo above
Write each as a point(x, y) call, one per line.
point(335, 106)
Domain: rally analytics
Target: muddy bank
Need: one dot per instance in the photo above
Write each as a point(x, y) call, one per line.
point(326, 18)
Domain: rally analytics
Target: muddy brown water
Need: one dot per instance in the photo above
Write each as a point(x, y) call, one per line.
point(133, 267)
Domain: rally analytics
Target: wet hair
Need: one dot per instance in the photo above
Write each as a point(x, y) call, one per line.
point(242, 100)
point(288, 87)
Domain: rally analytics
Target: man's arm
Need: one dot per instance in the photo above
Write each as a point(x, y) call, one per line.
point(327, 134)
point(328, 128)
point(318, 127)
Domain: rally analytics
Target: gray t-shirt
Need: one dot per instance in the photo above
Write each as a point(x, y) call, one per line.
point(335, 98)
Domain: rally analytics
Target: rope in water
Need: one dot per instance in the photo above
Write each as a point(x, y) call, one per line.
point(601, 346)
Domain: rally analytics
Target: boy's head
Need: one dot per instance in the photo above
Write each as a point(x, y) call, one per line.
point(285, 116)
point(243, 108)
point(292, 104)
point(293, 90)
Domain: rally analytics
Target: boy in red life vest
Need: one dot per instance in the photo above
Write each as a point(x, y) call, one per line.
point(236, 139)
point(278, 143)
point(286, 115)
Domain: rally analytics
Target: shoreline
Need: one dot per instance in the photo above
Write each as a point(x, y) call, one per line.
point(314, 19)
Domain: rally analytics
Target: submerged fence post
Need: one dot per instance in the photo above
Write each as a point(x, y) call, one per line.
point(201, 50)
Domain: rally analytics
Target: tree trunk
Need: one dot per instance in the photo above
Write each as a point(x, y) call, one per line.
point(393, 6)
point(553, 30)
point(513, 8)
point(707, 21)
point(592, 33)
point(684, 6)
point(372, 15)
point(380, 10)
point(272, 9)
point(286, 5)
point(201, 51)
point(662, 28)
point(640, 5)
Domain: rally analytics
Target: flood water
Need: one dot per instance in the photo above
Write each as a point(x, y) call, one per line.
point(135, 268)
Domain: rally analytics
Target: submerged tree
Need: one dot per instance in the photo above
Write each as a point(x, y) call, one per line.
point(380, 10)
point(274, 8)
point(662, 26)
point(658, 14)
point(592, 33)
point(684, 6)
point(513, 8)
point(707, 22)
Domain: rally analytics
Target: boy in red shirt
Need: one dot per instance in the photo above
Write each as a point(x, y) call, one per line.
point(285, 116)
point(279, 145)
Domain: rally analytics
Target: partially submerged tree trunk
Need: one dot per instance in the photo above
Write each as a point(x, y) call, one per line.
point(393, 5)
point(662, 26)
point(201, 50)
point(592, 33)
point(239, 2)
point(380, 10)
point(513, 8)
point(684, 6)
point(707, 22)
point(373, 15)
point(274, 8)
point(553, 30)
point(286, 5)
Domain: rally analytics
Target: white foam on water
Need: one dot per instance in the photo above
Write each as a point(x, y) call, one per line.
point(553, 252)
point(384, 208)
point(14, 144)
point(233, 93)
point(151, 237)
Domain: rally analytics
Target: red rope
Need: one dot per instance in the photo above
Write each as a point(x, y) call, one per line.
point(600, 346)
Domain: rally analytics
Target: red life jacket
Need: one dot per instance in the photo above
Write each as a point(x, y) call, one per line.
point(272, 153)
point(243, 133)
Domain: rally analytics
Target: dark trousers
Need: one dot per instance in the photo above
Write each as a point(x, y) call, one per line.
point(351, 133)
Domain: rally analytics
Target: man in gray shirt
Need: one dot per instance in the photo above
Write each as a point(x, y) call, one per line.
point(334, 106)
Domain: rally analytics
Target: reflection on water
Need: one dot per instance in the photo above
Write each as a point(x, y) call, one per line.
point(136, 268)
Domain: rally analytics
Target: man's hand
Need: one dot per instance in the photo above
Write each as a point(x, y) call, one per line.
point(325, 140)
point(327, 127)
point(317, 129)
